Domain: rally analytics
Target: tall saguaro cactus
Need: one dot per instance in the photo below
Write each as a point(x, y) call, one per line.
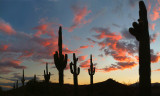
point(23, 78)
point(59, 59)
point(46, 74)
point(75, 71)
point(141, 32)
point(91, 71)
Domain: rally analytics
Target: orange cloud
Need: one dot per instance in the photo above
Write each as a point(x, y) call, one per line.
point(44, 29)
point(153, 37)
point(119, 66)
point(82, 58)
point(4, 47)
point(149, 6)
point(156, 70)
point(84, 47)
point(79, 17)
point(7, 63)
point(155, 14)
point(152, 26)
point(85, 64)
point(6, 28)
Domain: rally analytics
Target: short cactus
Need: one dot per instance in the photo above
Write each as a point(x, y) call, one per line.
point(35, 78)
point(91, 71)
point(14, 87)
point(17, 84)
point(75, 71)
point(23, 78)
point(59, 59)
point(46, 74)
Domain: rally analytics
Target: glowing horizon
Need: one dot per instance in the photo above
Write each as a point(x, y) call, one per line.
point(29, 38)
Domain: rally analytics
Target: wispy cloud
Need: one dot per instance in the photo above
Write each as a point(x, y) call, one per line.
point(80, 12)
point(6, 28)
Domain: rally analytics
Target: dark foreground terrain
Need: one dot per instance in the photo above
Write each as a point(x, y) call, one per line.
point(106, 88)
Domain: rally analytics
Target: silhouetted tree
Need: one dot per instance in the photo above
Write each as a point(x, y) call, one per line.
point(75, 71)
point(46, 74)
point(91, 72)
point(140, 31)
point(23, 78)
point(59, 59)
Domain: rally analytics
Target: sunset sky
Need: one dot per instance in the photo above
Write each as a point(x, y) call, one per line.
point(29, 38)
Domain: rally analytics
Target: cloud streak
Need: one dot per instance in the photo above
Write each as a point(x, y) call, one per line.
point(80, 12)
point(6, 28)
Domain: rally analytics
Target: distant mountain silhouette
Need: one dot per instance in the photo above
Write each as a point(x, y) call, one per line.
point(109, 87)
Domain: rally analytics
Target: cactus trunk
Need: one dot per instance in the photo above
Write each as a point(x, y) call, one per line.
point(61, 81)
point(91, 80)
point(144, 69)
point(141, 32)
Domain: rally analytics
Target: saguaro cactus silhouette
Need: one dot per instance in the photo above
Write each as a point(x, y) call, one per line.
point(75, 71)
point(35, 78)
point(91, 71)
point(17, 84)
point(46, 74)
point(59, 59)
point(14, 86)
point(23, 78)
point(140, 31)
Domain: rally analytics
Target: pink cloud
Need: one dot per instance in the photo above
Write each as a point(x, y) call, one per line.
point(85, 64)
point(84, 47)
point(82, 58)
point(152, 26)
point(5, 64)
point(4, 47)
point(79, 17)
point(156, 70)
point(119, 66)
point(44, 29)
point(149, 6)
point(155, 14)
point(6, 28)
point(153, 37)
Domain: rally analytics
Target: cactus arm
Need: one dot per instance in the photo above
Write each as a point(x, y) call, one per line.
point(44, 73)
point(89, 72)
point(94, 71)
point(49, 74)
point(71, 69)
point(56, 60)
point(65, 60)
point(78, 71)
